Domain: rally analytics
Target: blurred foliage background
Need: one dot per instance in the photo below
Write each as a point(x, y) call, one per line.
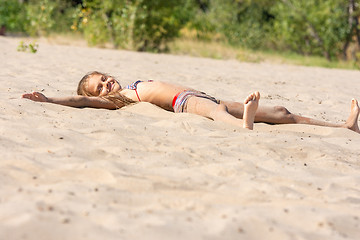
point(326, 28)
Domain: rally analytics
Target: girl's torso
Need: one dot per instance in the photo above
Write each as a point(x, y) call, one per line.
point(158, 93)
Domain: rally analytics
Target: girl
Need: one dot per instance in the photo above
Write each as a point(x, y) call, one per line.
point(100, 90)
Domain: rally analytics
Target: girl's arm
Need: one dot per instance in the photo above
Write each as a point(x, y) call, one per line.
point(73, 101)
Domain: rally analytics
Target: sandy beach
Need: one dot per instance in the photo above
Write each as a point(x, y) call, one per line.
point(145, 173)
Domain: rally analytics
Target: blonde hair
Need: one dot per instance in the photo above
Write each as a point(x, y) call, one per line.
point(116, 98)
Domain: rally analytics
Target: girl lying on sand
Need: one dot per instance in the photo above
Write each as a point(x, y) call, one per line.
point(99, 90)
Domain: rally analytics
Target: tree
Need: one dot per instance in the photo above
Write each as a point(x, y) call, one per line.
point(317, 27)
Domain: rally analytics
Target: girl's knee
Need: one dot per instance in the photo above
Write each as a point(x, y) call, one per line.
point(218, 110)
point(281, 110)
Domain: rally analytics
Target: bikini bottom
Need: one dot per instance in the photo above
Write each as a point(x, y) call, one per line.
point(180, 100)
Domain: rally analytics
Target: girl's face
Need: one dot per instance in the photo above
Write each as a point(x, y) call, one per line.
point(101, 85)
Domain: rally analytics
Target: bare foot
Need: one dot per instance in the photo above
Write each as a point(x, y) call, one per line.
point(250, 106)
point(352, 121)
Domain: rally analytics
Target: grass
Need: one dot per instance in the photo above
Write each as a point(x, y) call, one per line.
point(218, 50)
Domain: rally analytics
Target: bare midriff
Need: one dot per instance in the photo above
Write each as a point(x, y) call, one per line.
point(158, 93)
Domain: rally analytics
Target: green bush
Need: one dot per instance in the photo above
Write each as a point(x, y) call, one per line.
point(316, 27)
point(40, 17)
point(138, 24)
point(46, 16)
point(12, 15)
point(243, 23)
point(250, 24)
point(312, 27)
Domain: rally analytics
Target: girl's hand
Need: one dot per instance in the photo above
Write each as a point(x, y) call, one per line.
point(36, 96)
point(72, 101)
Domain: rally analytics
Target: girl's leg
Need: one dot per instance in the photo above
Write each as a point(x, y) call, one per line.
point(280, 115)
point(218, 112)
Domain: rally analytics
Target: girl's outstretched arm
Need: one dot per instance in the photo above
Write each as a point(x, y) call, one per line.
point(72, 101)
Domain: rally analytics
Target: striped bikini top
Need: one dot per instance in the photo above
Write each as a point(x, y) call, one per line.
point(133, 86)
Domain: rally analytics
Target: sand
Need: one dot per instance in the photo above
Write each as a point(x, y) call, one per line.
point(144, 173)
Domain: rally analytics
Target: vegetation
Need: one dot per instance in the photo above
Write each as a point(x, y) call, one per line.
point(12, 15)
point(328, 29)
point(31, 47)
point(145, 25)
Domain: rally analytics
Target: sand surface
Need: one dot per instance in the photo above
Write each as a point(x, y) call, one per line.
point(144, 173)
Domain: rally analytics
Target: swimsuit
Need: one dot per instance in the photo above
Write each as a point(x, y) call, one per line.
point(133, 86)
point(179, 102)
